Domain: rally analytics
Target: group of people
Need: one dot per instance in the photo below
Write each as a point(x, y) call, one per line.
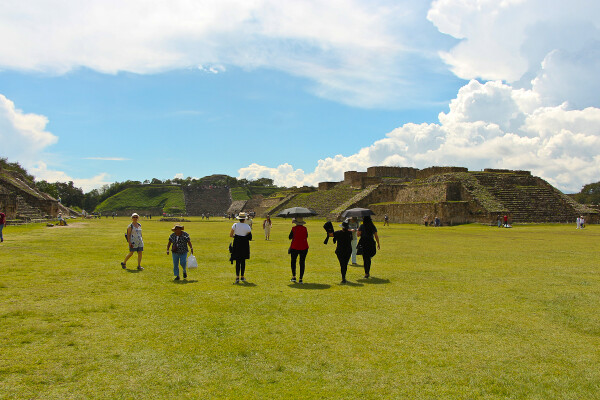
point(580, 222)
point(351, 240)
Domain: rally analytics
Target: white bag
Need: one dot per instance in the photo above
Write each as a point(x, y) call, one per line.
point(191, 262)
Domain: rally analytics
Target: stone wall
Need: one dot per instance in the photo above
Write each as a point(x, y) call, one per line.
point(427, 172)
point(450, 213)
point(392, 172)
point(507, 171)
point(8, 204)
point(327, 185)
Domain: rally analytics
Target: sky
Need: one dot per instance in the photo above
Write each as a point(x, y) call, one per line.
point(101, 91)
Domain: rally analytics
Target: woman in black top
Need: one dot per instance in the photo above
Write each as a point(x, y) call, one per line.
point(367, 232)
point(343, 250)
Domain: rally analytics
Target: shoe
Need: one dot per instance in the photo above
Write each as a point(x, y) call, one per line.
point(184, 275)
point(367, 276)
point(123, 265)
point(300, 281)
point(176, 278)
point(243, 279)
point(237, 280)
point(293, 280)
point(140, 268)
point(343, 281)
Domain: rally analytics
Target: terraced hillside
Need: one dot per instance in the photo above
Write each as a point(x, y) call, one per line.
point(154, 199)
point(323, 202)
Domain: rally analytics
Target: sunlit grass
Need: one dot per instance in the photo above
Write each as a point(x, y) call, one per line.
point(456, 312)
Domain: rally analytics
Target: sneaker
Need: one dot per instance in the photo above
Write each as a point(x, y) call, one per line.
point(184, 275)
point(176, 278)
point(293, 280)
point(300, 281)
point(140, 268)
point(237, 280)
point(367, 276)
point(343, 281)
point(243, 279)
point(123, 265)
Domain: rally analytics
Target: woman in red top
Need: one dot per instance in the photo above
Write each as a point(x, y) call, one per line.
point(299, 247)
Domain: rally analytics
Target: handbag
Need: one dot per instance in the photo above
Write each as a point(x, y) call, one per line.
point(192, 262)
point(359, 249)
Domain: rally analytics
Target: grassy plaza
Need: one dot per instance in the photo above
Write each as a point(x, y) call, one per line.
point(465, 312)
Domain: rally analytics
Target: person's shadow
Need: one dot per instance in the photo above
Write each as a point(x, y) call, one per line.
point(184, 281)
point(353, 284)
point(246, 284)
point(309, 286)
point(374, 281)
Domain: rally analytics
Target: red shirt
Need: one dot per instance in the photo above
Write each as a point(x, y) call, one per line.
point(299, 238)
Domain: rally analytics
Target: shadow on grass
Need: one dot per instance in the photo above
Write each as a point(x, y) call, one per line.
point(354, 284)
point(309, 286)
point(184, 281)
point(133, 271)
point(245, 284)
point(374, 281)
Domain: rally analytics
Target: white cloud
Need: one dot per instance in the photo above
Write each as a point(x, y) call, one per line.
point(41, 172)
point(554, 44)
point(361, 53)
point(24, 138)
point(558, 144)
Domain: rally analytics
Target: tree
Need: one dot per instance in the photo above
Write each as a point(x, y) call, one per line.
point(590, 194)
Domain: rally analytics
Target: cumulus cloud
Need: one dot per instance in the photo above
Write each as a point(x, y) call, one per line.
point(488, 125)
point(360, 53)
point(41, 172)
point(23, 136)
point(553, 46)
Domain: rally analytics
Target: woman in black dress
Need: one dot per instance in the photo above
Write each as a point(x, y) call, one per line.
point(343, 251)
point(367, 232)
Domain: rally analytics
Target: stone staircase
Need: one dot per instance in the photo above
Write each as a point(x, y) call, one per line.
point(26, 211)
point(527, 198)
point(213, 201)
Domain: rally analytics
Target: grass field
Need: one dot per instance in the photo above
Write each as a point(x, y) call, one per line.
point(467, 312)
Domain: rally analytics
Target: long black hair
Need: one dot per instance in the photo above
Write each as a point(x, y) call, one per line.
point(368, 225)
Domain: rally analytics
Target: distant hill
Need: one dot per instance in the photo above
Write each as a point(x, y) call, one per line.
point(154, 199)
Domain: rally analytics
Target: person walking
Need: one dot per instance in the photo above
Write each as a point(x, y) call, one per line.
point(178, 244)
point(134, 239)
point(386, 220)
point(368, 235)
point(240, 250)
point(2, 223)
point(343, 250)
point(267, 227)
point(299, 247)
point(353, 227)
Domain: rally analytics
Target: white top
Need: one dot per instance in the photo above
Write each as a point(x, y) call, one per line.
point(136, 236)
point(241, 228)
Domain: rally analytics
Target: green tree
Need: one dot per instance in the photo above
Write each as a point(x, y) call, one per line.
point(590, 194)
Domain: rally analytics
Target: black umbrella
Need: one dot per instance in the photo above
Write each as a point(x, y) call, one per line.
point(296, 212)
point(357, 212)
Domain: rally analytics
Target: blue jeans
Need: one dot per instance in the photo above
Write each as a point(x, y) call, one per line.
point(1, 227)
point(179, 258)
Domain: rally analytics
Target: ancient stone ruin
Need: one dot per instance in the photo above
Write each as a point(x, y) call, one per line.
point(453, 194)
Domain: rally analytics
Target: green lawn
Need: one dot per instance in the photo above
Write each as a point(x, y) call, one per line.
point(467, 312)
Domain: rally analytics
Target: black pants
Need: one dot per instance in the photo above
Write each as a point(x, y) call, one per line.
point(294, 255)
point(240, 267)
point(367, 264)
point(343, 259)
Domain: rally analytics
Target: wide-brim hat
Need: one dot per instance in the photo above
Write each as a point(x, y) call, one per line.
point(177, 226)
point(134, 215)
point(242, 215)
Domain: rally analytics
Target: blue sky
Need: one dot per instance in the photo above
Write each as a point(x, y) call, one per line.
point(103, 91)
